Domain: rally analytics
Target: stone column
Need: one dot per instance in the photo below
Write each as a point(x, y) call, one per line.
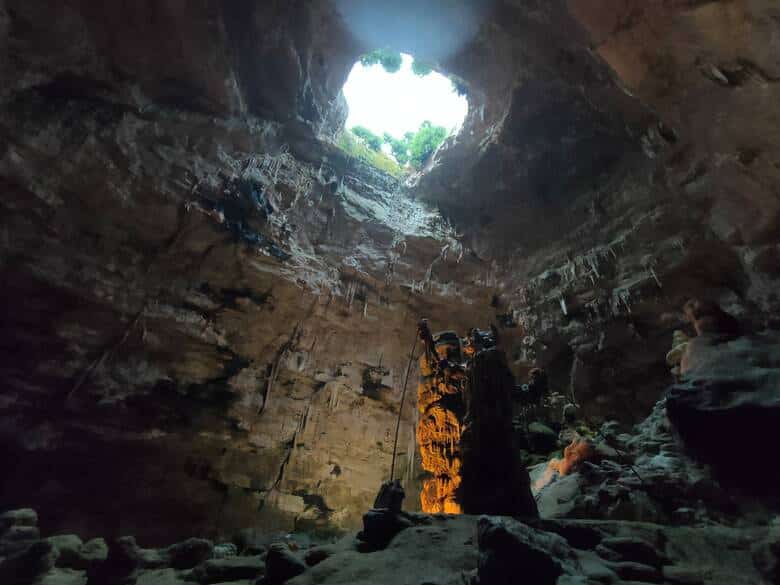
point(465, 433)
point(441, 410)
point(494, 479)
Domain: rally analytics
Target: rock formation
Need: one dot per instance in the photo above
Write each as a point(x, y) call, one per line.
point(205, 298)
point(495, 480)
point(464, 432)
point(730, 386)
point(439, 427)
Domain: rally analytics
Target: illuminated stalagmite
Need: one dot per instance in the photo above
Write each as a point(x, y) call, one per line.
point(465, 429)
point(441, 409)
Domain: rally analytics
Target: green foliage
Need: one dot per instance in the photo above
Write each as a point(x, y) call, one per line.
point(415, 147)
point(400, 148)
point(373, 141)
point(355, 147)
point(421, 69)
point(425, 142)
point(387, 58)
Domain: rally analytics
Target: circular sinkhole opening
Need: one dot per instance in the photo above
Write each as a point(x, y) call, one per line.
point(400, 111)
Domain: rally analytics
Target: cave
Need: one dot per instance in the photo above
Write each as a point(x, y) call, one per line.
point(545, 350)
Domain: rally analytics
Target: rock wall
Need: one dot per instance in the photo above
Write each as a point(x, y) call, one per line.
point(207, 304)
point(671, 110)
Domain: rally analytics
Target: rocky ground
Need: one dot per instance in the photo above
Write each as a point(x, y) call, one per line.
point(437, 549)
point(640, 508)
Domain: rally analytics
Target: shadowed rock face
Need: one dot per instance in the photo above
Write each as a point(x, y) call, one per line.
point(197, 280)
point(494, 478)
point(730, 385)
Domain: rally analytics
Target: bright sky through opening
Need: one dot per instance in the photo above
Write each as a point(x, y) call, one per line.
point(399, 102)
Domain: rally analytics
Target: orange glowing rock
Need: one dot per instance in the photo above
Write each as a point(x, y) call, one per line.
point(578, 451)
point(438, 438)
point(438, 425)
point(452, 507)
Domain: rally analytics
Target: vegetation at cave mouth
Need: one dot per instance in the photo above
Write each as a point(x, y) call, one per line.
point(411, 152)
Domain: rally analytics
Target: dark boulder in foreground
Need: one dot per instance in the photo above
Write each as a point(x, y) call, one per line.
point(726, 409)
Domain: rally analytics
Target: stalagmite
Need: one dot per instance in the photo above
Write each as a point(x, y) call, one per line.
point(465, 429)
point(494, 480)
point(439, 404)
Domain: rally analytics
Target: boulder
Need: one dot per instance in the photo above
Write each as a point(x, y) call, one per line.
point(225, 550)
point(317, 554)
point(508, 549)
point(69, 548)
point(21, 533)
point(16, 538)
point(33, 562)
point(21, 517)
point(633, 549)
point(726, 407)
point(766, 555)
point(93, 552)
point(121, 564)
point(542, 438)
point(281, 565)
point(191, 552)
point(380, 527)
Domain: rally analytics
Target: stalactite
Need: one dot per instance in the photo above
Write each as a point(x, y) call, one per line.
point(333, 400)
point(624, 296)
point(655, 276)
point(594, 265)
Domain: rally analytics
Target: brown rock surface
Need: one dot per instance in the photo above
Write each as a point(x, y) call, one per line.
point(196, 280)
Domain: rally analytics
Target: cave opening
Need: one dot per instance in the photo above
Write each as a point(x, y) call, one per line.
point(401, 110)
